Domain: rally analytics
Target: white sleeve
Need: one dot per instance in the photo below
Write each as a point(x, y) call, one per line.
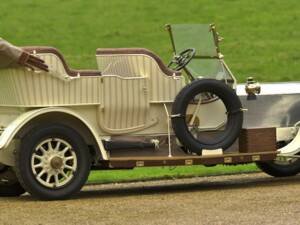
point(9, 54)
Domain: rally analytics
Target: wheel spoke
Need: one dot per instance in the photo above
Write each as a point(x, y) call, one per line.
point(64, 174)
point(65, 150)
point(49, 146)
point(69, 168)
point(41, 173)
point(69, 158)
point(56, 180)
point(43, 149)
point(48, 178)
point(57, 146)
point(38, 157)
point(38, 165)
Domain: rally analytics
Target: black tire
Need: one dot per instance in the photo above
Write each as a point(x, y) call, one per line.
point(274, 169)
point(234, 116)
point(9, 184)
point(11, 190)
point(27, 148)
point(277, 170)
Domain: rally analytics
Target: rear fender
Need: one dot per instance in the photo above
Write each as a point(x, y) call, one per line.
point(14, 127)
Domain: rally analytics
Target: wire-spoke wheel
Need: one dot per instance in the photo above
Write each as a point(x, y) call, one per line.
point(52, 162)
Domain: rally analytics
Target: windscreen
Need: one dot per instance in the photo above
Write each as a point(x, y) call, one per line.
point(208, 68)
point(196, 36)
point(206, 62)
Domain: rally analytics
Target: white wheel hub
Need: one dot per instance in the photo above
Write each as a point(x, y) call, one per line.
point(53, 162)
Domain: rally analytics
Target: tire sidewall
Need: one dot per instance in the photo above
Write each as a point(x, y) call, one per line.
point(276, 170)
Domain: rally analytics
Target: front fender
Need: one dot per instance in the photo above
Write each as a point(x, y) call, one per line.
point(14, 127)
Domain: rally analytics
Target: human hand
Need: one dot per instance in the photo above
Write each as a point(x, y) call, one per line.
point(30, 61)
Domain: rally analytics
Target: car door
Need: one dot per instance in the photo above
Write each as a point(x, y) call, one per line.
point(125, 104)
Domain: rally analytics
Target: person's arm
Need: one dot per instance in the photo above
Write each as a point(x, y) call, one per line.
point(12, 56)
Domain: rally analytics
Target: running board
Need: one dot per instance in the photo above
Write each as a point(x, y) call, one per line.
point(126, 162)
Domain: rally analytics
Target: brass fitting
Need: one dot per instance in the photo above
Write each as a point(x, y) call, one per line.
point(252, 87)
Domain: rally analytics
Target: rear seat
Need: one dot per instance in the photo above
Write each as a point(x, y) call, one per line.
point(68, 70)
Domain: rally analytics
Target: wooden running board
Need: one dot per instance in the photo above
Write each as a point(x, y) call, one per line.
point(236, 158)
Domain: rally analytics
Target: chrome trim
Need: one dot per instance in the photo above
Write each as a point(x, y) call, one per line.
point(278, 105)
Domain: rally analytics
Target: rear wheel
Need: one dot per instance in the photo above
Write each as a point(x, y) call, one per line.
point(9, 184)
point(53, 162)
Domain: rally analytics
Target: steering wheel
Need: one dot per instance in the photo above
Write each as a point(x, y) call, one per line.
point(182, 59)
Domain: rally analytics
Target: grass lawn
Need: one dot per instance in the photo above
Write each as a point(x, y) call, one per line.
point(166, 172)
point(261, 40)
point(261, 37)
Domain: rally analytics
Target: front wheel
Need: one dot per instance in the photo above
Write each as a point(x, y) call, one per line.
point(53, 162)
point(281, 167)
point(278, 168)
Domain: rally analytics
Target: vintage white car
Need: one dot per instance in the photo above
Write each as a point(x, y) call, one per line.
point(58, 123)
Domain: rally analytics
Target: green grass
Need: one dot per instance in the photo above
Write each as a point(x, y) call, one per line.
point(149, 173)
point(261, 39)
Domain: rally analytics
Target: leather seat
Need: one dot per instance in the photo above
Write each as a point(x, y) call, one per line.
point(141, 51)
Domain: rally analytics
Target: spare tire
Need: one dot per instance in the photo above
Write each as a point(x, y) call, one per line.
point(234, 116)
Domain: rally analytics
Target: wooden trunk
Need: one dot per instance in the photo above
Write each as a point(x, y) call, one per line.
point(257, 140)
